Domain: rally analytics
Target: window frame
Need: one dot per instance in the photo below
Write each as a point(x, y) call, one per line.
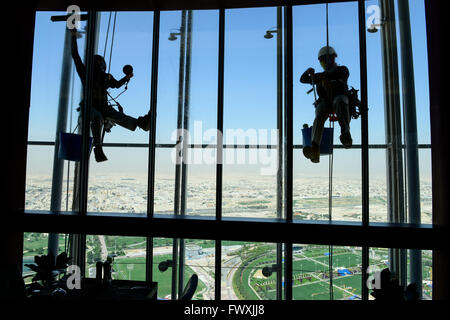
point(287, 231)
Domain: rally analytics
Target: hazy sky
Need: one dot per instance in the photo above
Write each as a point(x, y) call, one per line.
point(250, 82)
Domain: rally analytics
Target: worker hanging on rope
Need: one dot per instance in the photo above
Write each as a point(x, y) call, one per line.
point(101, 110)
point(333, 99)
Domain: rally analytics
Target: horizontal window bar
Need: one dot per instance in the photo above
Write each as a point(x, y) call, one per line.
point(213, 146)
point(139, 5)
point(386, 235)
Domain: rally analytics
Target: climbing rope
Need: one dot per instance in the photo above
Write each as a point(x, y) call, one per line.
point(330, 206)
point(107, 34)
point(112, 39)
point(110, 58)
point(111, 51)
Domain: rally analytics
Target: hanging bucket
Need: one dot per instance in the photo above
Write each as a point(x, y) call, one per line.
point(70, 146)
point(326, 145)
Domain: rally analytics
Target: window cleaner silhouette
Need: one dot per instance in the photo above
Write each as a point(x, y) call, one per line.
point(101, 110)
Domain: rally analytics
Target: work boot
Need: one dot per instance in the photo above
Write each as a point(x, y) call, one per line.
point(346, 140)
point(144, 122)
point(312, 152)
point(99, 155)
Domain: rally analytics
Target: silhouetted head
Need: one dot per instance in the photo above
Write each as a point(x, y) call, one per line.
point(99, 64)
point(327, 56)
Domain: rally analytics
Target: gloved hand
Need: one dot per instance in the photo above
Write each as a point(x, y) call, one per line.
point(310, 71)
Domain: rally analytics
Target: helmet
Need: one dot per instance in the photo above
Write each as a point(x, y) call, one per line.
point(326, 50)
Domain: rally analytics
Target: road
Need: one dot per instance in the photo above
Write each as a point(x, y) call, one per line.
point(201, 268)
point(103, 249)
point(230, 266)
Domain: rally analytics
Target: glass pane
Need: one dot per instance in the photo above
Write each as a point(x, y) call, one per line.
point(378, 193)
point(427, 273)
point(393, 266)
point(128, 256)
point(312, 181)
point(56, 96)
point(246, 192)
point(131, 45)
point(426, 191)
point(120, 184)
point(376, 89)
point(310, 188)
point(36, 244)
point(310, 35)
point(187, 113)
point(347, 185)
point(38, 192)
point(251, 112)
point(162, 251)
point(314, 265)
point(242, 271)
point(164, 189)
point(420, 68)
point(200, 259)
point(48, 52)
point(388, 103)
point(384, 51)
point(55, 93)
point(311, 194)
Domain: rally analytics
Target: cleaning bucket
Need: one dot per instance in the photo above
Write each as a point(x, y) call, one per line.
point(70, 146)
point(326, 145)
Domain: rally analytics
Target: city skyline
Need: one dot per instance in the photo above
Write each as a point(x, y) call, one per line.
point(240, 197)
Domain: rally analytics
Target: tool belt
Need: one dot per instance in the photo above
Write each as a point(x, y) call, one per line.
point(354, 103)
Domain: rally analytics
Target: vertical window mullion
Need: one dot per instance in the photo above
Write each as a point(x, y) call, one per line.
point(153, 104)
point(79, 241)
point(178, 165)
point(288, 143)
point(218, 270)
point(279, 263)
point(219, 152)
point(182, 123)
point(149, 260)
point(364, 139)
point(175, 246)
point(279, 250)
point(288, 133)
point(152, 140)
point(86, 114)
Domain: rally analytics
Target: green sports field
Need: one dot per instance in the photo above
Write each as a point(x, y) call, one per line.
point(311, 266)
point(311, 275)
point(164, 279)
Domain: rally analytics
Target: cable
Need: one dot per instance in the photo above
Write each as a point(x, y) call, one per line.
point(112, 41)
point(110, 56)
point(107, 34)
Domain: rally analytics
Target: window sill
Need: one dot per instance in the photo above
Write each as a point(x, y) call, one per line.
point(246, 229)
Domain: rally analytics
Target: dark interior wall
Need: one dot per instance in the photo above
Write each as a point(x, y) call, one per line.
point(19, 62)
point(439, 116)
